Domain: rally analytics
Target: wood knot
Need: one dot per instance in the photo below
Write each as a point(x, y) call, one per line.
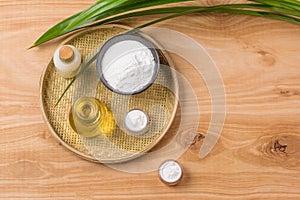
point(267, 58)
point(279, 147)
point(287, 92)
point(279, 150)
point(198, 138)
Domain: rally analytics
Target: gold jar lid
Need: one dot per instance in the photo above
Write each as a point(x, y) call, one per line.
point(170, 172)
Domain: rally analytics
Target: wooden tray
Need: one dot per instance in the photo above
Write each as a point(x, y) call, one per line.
point(56, 118)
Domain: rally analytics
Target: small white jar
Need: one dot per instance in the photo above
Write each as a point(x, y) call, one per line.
point(67, 60)
point(136, 122)
point(170, 172)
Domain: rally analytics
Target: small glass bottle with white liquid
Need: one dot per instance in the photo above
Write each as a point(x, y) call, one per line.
point(67, 60)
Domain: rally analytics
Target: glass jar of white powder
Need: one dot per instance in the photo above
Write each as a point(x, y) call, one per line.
point(128, 64)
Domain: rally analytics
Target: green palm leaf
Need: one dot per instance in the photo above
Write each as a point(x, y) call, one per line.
point(107, 11)
point(99, 10)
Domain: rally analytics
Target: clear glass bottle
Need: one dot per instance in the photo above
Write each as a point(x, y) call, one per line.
point(89, 117)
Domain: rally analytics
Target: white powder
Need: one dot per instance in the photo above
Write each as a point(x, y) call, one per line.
point(170, 171)
point(136, 121)
point(128, 66)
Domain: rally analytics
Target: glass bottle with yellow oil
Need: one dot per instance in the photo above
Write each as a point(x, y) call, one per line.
point(89, 117)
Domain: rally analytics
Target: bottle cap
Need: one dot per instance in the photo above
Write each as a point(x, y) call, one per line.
point(66, 53)
point(136, 121)
point(170, 172)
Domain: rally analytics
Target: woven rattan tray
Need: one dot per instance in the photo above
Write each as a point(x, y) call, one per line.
point(56, 118)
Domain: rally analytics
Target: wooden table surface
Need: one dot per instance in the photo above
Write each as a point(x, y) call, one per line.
point(258, 60)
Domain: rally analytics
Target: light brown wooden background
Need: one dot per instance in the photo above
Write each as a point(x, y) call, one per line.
point(259, 61)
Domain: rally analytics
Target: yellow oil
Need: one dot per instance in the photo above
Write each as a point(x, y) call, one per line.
point(89, 117)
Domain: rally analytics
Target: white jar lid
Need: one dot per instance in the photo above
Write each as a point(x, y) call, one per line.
point(170, 172)
point(136, 121)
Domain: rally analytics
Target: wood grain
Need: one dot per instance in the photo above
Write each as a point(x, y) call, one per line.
point(257, 157)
